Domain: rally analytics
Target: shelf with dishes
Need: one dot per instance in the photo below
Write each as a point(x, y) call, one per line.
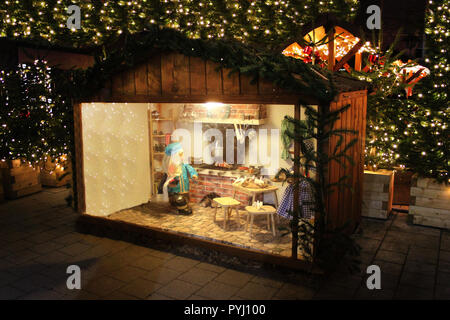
point(161, 126)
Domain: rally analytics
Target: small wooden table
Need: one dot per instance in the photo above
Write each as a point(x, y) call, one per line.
point(228, 204)
point(253, 192)
point(269, 211)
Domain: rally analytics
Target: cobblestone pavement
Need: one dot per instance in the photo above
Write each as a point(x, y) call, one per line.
point(38, 241)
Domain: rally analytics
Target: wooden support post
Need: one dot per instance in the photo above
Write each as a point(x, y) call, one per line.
point(331, 55)
point(358, 61)
point(150, 147)
point(78, 177)
point(296, 187)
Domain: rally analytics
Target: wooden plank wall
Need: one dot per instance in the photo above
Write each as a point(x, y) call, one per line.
point(173, 77)
point(61, 59)
point(344, 205)
point(79, 158)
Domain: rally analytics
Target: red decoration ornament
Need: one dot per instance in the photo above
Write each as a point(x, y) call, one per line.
point(373, 58)
point(25, 114)
point(307, 50)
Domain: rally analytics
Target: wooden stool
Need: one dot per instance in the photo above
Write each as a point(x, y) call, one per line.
point(228, 204)
point(269, 211)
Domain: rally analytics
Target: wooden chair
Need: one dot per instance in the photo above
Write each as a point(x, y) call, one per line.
point(228, 204)
point(269, 211)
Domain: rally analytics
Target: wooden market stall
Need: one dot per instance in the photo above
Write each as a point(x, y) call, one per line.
point(168, 76)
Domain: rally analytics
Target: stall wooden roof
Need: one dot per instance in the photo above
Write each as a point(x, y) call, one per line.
point(164, 71)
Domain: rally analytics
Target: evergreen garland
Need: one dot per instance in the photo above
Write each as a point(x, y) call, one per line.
point(264, 23)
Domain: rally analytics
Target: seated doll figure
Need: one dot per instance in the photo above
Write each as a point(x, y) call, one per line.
point(176, 186)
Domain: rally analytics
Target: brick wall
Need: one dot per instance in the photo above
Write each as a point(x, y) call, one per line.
point(237, 111)
point(206, 184)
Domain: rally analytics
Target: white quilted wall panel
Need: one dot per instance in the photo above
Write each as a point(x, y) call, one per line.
point(116, 156)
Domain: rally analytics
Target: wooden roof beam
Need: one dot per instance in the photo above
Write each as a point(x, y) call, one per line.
point(331, 54)
point(348, 56)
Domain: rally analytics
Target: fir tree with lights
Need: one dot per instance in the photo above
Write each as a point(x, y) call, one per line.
point(426, 151)
point(411, 132)
point(34, 118)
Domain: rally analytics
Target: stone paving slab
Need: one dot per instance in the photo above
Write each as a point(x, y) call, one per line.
point(178, 289)
point(127, 273)
point(331, 292)
point(210, 267)
point(234, 278)
point(256, 291)
point(389, 267)
point(158, 296)
point(391, 256)
point(147, 262)
point(273, 283)
point(294, 292)
point(198, 276)
point(162, 276)
point(104, 285)
point(180, 263)
point(140, 288)
point(118, 295)
point(39, 240)
point(395, 246)
point(217, 291)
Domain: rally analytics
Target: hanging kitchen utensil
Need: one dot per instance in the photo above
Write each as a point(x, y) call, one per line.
point(238, 134)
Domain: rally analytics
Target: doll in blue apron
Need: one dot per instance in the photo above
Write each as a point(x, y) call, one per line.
point(176, 186)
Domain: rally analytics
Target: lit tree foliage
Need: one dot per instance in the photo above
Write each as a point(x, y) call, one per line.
point(412, 133)
point(34, 118)
point(427, 152)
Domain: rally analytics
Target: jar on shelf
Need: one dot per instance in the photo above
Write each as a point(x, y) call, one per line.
point(155, 114)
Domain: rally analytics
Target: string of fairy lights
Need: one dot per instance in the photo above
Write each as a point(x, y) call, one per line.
point(255, 21)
